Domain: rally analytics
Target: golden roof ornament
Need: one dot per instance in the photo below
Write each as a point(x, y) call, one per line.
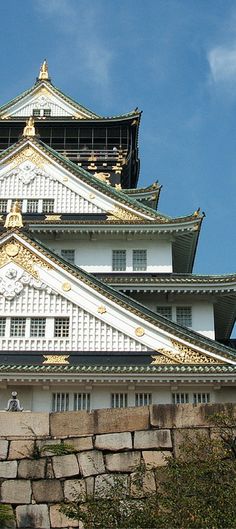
point(29, 129)
point(14, 218)
point(43, 72)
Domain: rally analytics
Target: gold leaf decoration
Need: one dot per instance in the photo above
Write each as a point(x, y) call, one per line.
point(139, 331)
point(56, 359)
point(102, 309)
point(66, 286)
point(187, 355)
point(122, 214)
point(28, 153)
point(17, 253)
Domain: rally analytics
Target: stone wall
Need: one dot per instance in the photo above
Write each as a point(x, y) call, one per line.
point(34, 480)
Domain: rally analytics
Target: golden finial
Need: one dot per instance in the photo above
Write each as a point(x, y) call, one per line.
point(29, 129)
point(43, 72)
point(14, 218)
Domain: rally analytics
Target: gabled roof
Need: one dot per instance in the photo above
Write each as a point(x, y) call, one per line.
point(149, 328)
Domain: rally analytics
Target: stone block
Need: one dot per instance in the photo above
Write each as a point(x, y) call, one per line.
point(47, 442)
point(153, 439)
point(155, 458)
point(74, 489)
point(32, 517)
point(89, 482)
point(65, 466)
point(58, 519)
point(105, 484)
point(32, 469)
point(91, 463)
point(27, 425)
point(47, 491)
point(123, 462)
point(81, 443)
point(71, 423)
point(16, 491)
point(182, 435)
point(8, 469)
point(21, 449)
point(147, 486)
point(3, 449)
point(184, 415)
point(114, 441)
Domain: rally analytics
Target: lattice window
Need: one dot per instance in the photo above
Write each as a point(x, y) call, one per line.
point(32, 206)
point(201, 398)
point(165, 310)
point(119, 400)
point(180, 398)
point(82, 401)
point(18, 326)
point(60, 401)
point(37, 327)
point(48, 205)
point(119, 260)
point(69, 255)
point(143, 399)
point(3, 206)
point(139, 260)
point(61, 327)
point(2, 326)
point(184, 316)
point(36, 112)
point(47, 112)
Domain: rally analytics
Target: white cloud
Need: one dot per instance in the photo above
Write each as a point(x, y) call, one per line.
point(222, 62)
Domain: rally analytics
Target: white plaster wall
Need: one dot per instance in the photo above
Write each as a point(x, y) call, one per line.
point(96, 255)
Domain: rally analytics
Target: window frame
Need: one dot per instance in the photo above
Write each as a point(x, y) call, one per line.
point(115, 260)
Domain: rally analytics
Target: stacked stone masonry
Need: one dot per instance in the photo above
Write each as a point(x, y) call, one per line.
point(35, 479)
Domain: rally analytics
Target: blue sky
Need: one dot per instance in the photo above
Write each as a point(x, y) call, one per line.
point(175, 60)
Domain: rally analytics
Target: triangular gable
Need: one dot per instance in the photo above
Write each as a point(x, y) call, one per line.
point(111, 310)
point(44, 96)
point(29, 169)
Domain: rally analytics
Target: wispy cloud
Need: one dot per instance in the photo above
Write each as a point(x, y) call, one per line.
point(222, 62)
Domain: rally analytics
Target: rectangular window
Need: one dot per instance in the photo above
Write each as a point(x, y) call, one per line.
point(47, 112)
point(60, 401)
point(69, 255)
point(184, 316)
point(81, 401)
point(166, 311)
point(119, 260)
point(119, 400)
point(3, 206)
point(139, 260)
point(61, 327)
point(48, 205)
point(37, 327)
point(2, 326)
point(143, 399)
point(18, 326)
point(32, 206)
point(201, 398)
point(180, 398)
point(36, 112)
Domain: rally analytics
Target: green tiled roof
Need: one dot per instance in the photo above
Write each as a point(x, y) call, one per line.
point(151, 369)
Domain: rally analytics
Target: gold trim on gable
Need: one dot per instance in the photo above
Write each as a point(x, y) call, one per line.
point(28, 153)
point(17, 253)
point(183, 355)
point(123, 214)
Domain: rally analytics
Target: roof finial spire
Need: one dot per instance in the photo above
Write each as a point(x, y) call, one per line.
point(43, 73)
point(29, 129)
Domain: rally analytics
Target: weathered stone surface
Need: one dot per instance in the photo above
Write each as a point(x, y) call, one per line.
point(122, 462)
point(181, 435)
point(32, 517)
point(42, 444)
point(155, 458)
point(114, 441)
point(21, 449)
point(8, 469)
point(45, 491)
point(58, 519)
point(81, 443)
point(105, 483)
point(3, 449)
point(184, 415)
point(99, 421)
point(74, 489)
point(148, 484)
point(33, 469)
point(153, 439)
point(64, 466)
point(24, 424)
point(91, 463)
point(16, 491)
point(49, 473)
point(89, 482)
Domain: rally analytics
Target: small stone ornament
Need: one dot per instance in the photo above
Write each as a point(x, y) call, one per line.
point(14, 403)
